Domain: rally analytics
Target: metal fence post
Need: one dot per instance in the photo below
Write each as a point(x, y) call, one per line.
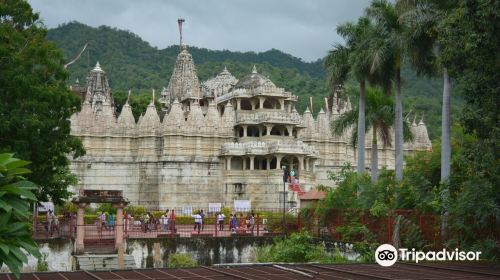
point(258, 224)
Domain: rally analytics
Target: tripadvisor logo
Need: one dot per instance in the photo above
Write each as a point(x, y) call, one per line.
point(387, 255)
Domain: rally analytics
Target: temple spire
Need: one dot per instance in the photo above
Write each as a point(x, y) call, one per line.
point(180, 21)
point(128, 96)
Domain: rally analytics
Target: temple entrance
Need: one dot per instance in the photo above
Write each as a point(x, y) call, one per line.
point(103, 236)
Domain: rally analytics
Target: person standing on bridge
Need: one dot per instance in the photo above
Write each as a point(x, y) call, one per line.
point(198, 221)
point(164, 221)
point(172, 221)
point(202, 218)
point(111, 222)
point(220, 220)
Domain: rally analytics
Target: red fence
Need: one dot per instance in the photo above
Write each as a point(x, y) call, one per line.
point(261, 222)
point(258, 222)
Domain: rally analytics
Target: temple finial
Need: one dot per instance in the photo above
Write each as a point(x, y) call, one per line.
point(254, 69)
point(128, 97)
point(421, 119)
point(153, 96)
point(311, 102)
point(180, 21)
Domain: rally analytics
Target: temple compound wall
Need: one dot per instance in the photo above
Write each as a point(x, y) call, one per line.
point(213, 142)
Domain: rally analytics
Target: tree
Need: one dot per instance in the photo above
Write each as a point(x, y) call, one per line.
point(387, 20)
point(357, 37)
point(35, 103)
point(379, 118)
point(422, 19)
point(16, 193)
point(468, 36)
point(337, 69)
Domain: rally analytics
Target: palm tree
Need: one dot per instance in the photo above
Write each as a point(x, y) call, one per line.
point(392, 48)
point(353, 59)
point(337, 68)
point(379, 118)
point(422, 18)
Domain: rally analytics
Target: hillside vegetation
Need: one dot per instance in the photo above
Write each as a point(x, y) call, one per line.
point(132, 63)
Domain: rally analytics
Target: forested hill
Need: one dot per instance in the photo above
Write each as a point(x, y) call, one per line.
point(133, 63)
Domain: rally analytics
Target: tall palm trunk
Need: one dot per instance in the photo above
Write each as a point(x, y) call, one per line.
point(399, 128)
point(361, 129)
point(445, 147)
point(374, 156)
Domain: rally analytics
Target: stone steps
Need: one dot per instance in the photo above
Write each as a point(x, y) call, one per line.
point(102, 262)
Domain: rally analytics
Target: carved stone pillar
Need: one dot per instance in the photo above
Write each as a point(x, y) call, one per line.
point(244, 159)
point(301, 164)
point(261, 102)
point(268, 161)
point(238, 104)
point(252, 162)
point(278, 161)
point(282, 104)
point(228, 164)
point(119, 224)
point(253, 103)
point(289, 128)
point(269, 127)
point(245, 130)
point(80, 228)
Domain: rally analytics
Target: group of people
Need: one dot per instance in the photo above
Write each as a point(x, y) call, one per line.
point(52, 222)
point(167, 221)
point(106, 221)
point(242, 225)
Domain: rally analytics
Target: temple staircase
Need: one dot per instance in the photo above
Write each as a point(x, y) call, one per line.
point(295, 187)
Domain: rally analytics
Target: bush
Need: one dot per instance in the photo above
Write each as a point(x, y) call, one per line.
point(42, 264)
point(106, 208)
point(135, 211)
point(298, 248)
point(180, 260)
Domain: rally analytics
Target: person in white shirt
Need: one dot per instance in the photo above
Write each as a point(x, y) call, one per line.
point(164, 220)
point(220, 220)
point(198, 220)
point(104, 221)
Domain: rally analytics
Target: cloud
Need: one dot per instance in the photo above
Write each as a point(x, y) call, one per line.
point(303, 28)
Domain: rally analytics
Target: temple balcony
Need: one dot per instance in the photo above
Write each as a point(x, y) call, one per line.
point(283, 147)
point(274, 116)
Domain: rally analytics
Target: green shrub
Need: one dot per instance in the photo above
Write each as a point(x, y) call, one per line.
point(135, 211)
point(366, 251)
point(180, 260)
point(106, 208)
point(298, 248)
point(42, 264)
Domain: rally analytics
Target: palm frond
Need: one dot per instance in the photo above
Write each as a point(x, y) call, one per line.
point(344, 122)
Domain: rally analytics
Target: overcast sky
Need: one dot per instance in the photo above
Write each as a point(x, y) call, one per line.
point(303, 28)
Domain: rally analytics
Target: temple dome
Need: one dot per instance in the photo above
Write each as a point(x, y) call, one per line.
point(220, 84)
point(254, 80)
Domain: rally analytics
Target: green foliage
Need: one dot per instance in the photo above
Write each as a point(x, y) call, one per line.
point(35, 102)
point(135, 210)
point(180, 260)
point(298, 248)
point(106, 208)
point(469, 38)
point(42, 264)
point(66, 207)
point(16, 194)
point(366, 251)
